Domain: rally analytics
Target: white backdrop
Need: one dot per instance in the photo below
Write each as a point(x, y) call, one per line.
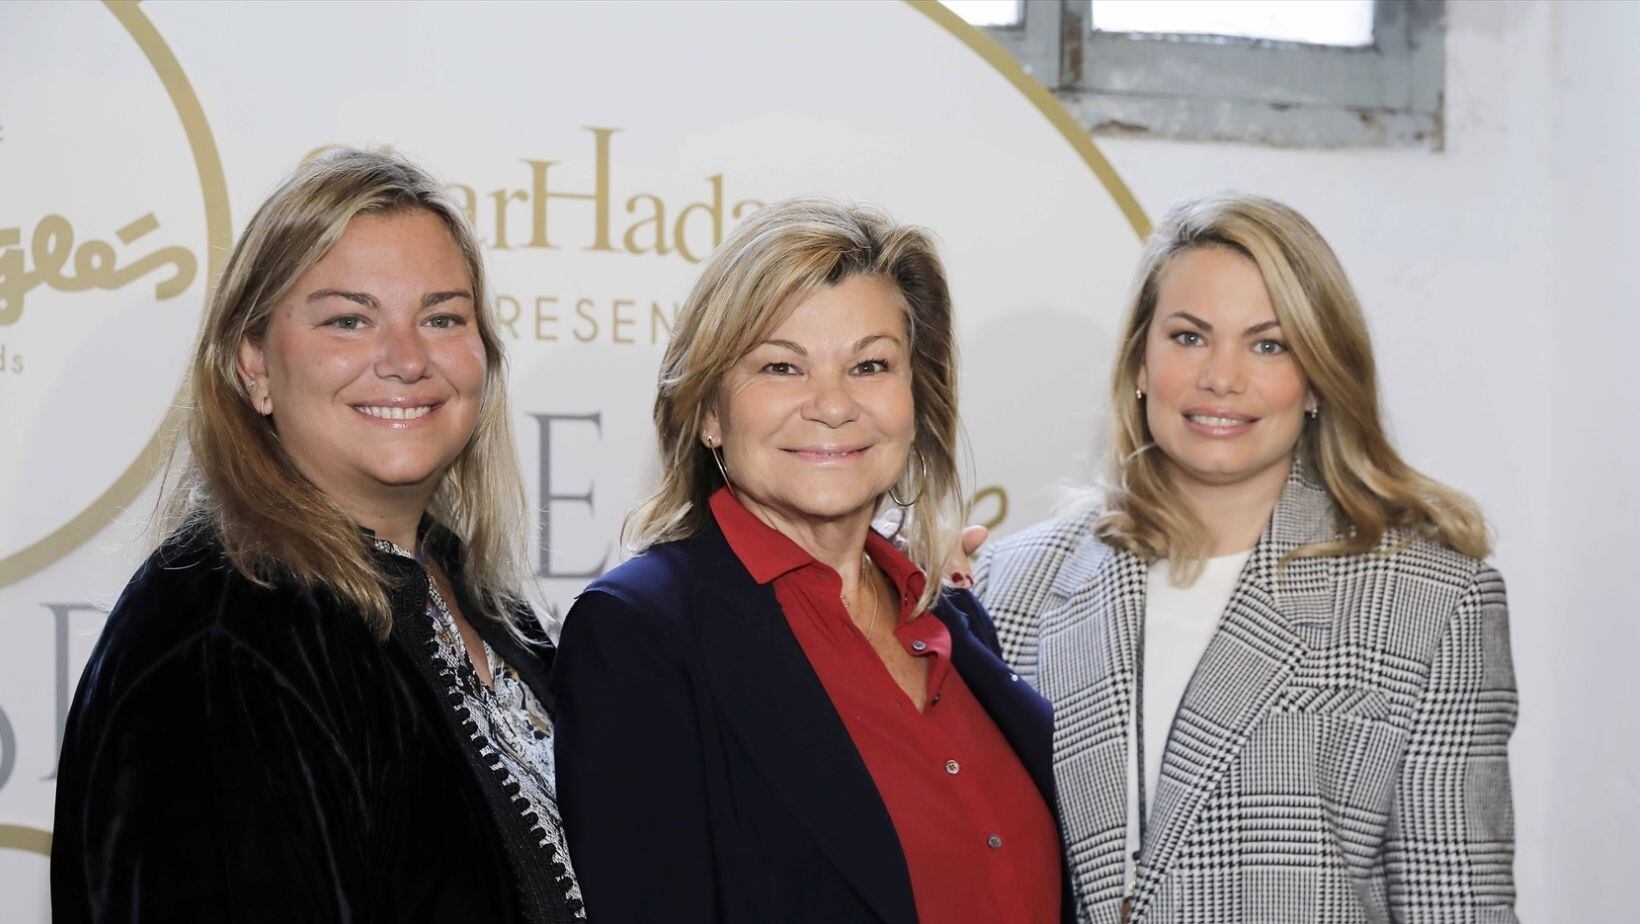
point(604, 148)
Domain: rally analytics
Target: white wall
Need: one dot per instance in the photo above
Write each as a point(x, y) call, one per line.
point(1497, 277)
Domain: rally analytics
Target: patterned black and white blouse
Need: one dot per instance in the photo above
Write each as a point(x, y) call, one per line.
point(511, 723)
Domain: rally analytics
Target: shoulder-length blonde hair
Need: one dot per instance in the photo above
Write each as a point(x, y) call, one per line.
point(1345, 446)
point(237, 479)
point(770, 264)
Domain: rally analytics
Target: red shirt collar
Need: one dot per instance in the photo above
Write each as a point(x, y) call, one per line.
point(767, 553)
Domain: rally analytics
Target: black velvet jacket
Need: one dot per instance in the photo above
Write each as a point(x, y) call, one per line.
point(236, 753)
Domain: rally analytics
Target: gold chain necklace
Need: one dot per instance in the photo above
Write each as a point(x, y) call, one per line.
point(876, 601)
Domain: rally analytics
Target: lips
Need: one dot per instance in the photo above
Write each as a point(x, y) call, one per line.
point(1209, 420)
point(394, 413)
point(398, 409)
point(1216, 422)
point(828, 453)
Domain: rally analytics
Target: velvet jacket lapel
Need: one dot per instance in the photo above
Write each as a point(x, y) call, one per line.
point(778, 708)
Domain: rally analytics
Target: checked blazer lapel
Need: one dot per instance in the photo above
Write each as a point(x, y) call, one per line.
point(1085, 667)
point(1250, 658)
point(777, 707)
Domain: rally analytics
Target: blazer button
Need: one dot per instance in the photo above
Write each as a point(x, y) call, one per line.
point(993, 842)
point(919, 645)
point(952, 767)
point(1014, 677)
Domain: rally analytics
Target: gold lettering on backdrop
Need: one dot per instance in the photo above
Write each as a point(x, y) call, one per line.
point(506, 311)
point(599, 195)
point(544, 319)
point(502, 197)
point(997, 493)
point(569, 319)
point(656, 219)
point(695, 228)
point(51, 247)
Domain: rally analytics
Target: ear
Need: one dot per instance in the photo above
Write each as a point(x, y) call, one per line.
point(1311, 402)
point(252, 365)
point(1143, 380)
point(711, 429)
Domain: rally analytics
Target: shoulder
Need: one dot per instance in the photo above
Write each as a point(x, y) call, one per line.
point(1053, 539)
point(659, 579)
point(1412, 590)
point(1057, 552)
point(1419, 564)
point(187, 605)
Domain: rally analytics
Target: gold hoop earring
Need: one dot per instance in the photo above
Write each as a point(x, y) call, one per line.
point(711, 446)
point(921, 487)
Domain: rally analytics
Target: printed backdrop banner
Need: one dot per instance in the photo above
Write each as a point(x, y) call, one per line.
point(603, 151)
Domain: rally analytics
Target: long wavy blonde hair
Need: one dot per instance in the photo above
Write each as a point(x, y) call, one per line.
point(1345, 447)
point(236, 477)
point(770, 264)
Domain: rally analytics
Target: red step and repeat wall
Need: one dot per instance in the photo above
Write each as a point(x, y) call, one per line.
point(602, 149)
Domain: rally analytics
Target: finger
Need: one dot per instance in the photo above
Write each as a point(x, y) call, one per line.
point(972, 538)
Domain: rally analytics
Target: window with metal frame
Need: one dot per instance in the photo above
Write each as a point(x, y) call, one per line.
point(1296, 89)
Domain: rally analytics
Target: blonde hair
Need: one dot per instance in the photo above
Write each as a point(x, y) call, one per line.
point(1345, 447)
point(237, 478)
point(771, 263)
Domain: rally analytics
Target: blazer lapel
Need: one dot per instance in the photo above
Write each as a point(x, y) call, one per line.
point(1251, 657)
point(1020, 713)
point(1085, 669)
point(778, 708)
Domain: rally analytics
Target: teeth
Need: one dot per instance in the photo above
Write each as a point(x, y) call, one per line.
point(394, 413)
point(1206, 421)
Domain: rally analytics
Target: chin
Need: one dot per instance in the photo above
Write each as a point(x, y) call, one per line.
point(405, 474)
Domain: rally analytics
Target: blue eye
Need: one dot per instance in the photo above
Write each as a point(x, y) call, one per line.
point(446, 321)
point(1269, 347)
point(1187, 338)
point(346, 322)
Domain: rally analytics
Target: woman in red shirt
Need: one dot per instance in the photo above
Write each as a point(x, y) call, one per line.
point(771, 714)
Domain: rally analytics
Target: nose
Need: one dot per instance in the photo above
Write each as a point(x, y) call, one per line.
point(403, 354)
point(1223, 373)
point(830, 401)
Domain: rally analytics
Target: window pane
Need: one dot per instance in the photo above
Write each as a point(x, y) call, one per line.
point(987, 12)
point(1316, 22)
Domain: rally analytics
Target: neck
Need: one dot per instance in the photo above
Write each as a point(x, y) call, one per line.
point(393, 516)
point(836, 542)
point(1235, 514)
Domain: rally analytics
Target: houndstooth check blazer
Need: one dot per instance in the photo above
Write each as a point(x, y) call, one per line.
point(1340, 754)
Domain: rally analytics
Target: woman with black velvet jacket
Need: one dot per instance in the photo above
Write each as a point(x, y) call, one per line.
point(319, 699)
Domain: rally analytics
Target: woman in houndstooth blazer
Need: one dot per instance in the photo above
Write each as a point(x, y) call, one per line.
point(1340, 751)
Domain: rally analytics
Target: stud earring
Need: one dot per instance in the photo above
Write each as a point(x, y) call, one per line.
point(1139, 394)
point(1315, 413)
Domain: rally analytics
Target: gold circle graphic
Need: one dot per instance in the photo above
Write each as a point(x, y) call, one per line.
point(1045, 102)
point(218, 237)
point(19, 837)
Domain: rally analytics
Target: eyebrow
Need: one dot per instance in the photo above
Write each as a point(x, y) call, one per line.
point(1255, 329)
point(369, 301)
point(858, 344)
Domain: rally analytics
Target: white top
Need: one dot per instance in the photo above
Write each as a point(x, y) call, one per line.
point(1179, 622)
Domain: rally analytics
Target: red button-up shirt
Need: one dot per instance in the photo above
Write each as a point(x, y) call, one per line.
point(978, 838)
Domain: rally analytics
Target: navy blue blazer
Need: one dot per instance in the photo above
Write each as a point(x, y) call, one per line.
point(703, 773)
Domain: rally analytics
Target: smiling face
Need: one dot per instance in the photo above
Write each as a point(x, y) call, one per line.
point(371, 367)
point(1224, 398)
point(817, 421)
